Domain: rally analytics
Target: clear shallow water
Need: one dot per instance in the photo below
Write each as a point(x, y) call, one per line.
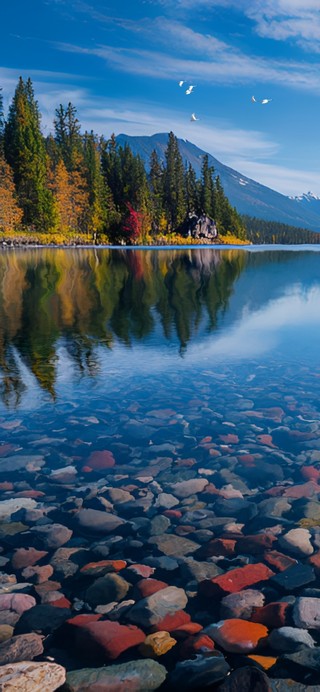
point(83, 331)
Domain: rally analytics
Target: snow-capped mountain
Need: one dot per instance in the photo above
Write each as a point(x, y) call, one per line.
point(247, 195)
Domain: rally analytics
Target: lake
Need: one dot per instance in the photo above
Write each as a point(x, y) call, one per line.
point(161, 406)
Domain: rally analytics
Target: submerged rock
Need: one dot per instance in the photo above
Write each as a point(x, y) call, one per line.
point(31, 677)
point(133, 676)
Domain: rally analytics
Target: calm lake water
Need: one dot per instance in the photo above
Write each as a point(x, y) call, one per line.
point(156, 404)
point(83, 329)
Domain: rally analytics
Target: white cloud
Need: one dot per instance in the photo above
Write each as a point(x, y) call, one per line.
point(217, 65)
point(288, 181)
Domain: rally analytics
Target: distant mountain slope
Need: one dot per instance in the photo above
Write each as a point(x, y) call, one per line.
point(248, 196)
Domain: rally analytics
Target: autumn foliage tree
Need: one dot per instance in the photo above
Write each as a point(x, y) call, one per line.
point(133, 224)
point(10, 212)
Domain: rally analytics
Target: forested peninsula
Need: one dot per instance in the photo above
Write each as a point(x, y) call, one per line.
point(76, 187)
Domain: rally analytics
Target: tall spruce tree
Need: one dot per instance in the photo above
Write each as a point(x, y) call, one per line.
point(98, 193)
point(207, 188)
point(192, 190)
point(68, 136)
point(174, 187)
point(1, 122)
point(156, 175)
point(25, 152)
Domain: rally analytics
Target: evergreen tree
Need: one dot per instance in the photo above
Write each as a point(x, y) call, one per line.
point(156, 189)
point(174, 190)
point(98, 193)
point(25, 152)
point(68, 136)
point(192, 190)
point(207, 188)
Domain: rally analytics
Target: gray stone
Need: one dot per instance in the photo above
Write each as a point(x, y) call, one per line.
point(23, 647)
point(166, 501)
point(290, 639)
point(189, 487)
point(306, 613)
point(134, 676)
point(16, 462)
point(199, 672)
point(297, 542)
point(98, 522)
point(151, 610)
point(52, 536)
point(192, 570)
point(170, 544)
point(9, 507)
point(241, 604)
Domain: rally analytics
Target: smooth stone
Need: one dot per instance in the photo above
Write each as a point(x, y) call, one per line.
point(189, 487)
point(96, 521)
point(306, 613)
point(294, 577)
point(172, 545)
point(157, 644)
point(237, 507)
point(42, 618)
point(305, 658)
point(134, 676)
point(107, 639)
point(154, 608)
point(158, 525)
point(9, 507)
point(297, 542)
point(192, 570)
point(18, 603)
point(290, 639)
point(6, 632)
point(16, 463)
point(23, 647)
point(26, 557)
point(241, 604)
point(237, 636)
point(111, 587)
point(28, 676)
point(246, 679)
point(166, 501)
point(198, 673)
point(52, 536)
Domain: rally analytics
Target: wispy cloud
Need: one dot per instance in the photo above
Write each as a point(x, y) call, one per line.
point(288, 181)
point(219, 64)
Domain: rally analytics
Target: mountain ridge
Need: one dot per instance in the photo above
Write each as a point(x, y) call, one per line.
point(244, 193)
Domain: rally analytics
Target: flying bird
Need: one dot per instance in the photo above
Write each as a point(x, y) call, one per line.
point(193, 117)
point(262, 101)
point(181, 83)
point(190, 88)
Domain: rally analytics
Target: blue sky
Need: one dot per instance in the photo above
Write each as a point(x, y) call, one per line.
point(119, 62)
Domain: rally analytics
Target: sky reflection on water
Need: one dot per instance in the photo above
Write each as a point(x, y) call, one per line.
point(73, 321)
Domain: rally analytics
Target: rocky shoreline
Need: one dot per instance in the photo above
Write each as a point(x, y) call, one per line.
point(196, 568)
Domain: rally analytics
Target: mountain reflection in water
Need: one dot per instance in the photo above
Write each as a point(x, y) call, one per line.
point(91, 303)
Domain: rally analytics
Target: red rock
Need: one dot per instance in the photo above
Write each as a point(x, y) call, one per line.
point(6, 485)
point(218, 547)
point(183, 530)
point(206, 439)
point(272, 615)
point(235, 580)
point(62, 602)
point(46, 587)
point(5, 449)
point(37, 574)
point(275, 492)
point(279, 560)
point(172, 622)
point(186, 630)
point(30, 493)
point(247, 459)
point(314, 560)
point(86, 469)
point(83, 619)
point(185, 462)
point(275, 413)
point(102, 567)
point(101, 460)
point(266, 440)
point(109, 639)
point(238, 636)
point(194, 645)
point(210, 489)
point(26, 557)
point(310, 473)
point(146, 587)
point(172, 513)
point(214, 453)
point(254, 545)
point(304, 490)
point(229, 438)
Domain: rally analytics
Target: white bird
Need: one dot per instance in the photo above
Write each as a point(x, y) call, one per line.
point(190, 88)
point(181, 83)
point(193, 117)
point(262, 101)
point(253, 99)
point(266, 101)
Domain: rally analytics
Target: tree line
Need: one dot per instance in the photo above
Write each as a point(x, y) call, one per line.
point(85, 183)
point(273, 232)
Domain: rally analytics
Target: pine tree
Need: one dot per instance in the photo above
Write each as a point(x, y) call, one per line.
point(68, 136)
point(25, 152)
point(10, 212)
point(174, 189)
point(1, 122)
point(192, 190)
point(99, 196)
